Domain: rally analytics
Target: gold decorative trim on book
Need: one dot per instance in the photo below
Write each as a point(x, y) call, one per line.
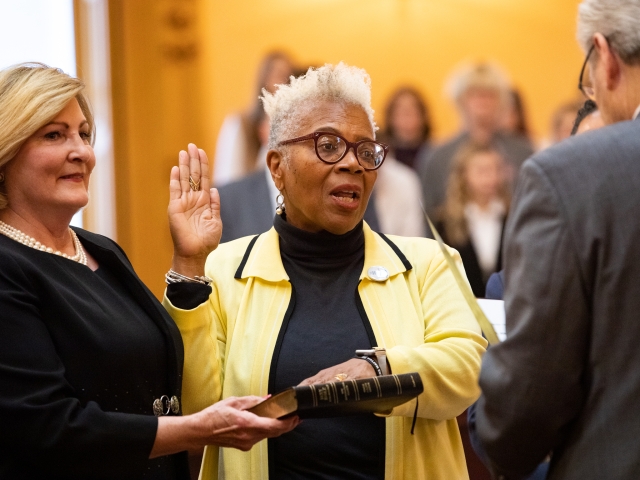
point(465, 288)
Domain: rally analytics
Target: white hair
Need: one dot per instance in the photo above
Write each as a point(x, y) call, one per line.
point(339, 83)
point(617, 20)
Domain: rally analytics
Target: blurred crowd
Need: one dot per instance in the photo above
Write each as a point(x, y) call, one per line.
point(464, 183)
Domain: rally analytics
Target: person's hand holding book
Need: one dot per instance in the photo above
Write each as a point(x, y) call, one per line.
point(350, 370)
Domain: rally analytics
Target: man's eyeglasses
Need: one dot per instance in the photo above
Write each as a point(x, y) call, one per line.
point(331, 148)
point(587, 90)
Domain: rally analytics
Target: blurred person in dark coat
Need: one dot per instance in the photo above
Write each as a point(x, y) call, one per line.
point(566, 379)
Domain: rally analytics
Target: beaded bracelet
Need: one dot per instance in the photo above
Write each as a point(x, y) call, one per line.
point(371, 362)
point(175, 277)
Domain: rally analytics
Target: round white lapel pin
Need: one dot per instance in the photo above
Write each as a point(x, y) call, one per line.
point(377, 273)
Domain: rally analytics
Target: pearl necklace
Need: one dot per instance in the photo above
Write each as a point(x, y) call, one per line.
point(23, 238)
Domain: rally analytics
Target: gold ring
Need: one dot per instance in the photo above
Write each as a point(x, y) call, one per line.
point(195, 186)
point(341, 377)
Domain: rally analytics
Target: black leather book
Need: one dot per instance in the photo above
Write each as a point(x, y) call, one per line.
point(350, 397)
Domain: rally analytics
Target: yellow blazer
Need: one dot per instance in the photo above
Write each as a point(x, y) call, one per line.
point(418, 315)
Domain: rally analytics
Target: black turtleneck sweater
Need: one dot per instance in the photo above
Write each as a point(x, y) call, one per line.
point(324, 329)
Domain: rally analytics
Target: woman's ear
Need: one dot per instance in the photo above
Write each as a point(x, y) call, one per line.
point(275, 164)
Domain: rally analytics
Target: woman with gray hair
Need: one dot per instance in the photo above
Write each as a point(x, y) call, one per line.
point(292, 305)
point(90, 363)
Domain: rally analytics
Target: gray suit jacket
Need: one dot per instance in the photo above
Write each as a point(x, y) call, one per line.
point(567, 379)
point(435, 168)
point(246, 209)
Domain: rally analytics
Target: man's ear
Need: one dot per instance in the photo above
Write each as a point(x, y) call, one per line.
point(609, 59)
point(275, 164)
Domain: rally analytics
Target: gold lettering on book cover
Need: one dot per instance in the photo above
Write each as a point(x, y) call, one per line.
point(314, 395)
point(324, 394)
point(344, 390)
point(366, 387)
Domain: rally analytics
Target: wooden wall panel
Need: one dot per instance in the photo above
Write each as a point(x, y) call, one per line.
point(155, 63)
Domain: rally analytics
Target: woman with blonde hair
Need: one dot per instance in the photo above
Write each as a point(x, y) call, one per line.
point(90, 362)
point(475, 208)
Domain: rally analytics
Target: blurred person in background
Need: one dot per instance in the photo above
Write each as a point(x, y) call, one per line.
point(474, 211)
point(515, 118)
point(562, 121)
point(407, 126)
point(238, 142)
point(481, 93)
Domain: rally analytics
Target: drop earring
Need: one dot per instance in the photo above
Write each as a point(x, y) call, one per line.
point(279, 204)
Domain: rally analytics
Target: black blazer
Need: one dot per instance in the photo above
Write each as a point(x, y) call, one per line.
point(73, 401)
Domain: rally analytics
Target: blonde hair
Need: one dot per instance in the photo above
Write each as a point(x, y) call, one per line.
point(452, 213)
point(31, 95)
point(339, 83)
point(485, 76)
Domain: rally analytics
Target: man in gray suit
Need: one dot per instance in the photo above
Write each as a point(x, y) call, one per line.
point(567, 379)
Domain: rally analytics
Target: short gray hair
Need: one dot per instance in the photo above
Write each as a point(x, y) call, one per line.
point(615, 19)
point(339, 83)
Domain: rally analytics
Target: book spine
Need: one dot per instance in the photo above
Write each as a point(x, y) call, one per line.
point(336, 393)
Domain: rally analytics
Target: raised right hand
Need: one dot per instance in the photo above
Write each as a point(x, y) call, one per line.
point(194, 215)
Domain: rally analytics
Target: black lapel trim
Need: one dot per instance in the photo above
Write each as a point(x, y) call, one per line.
point(272, 371)
point(280, 339)
point(398, 252)
point(374, 343)
point(365, 320)
point(238, 274)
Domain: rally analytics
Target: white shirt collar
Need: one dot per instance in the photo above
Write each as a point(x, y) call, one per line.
point(485, 232)
point(636, 113)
